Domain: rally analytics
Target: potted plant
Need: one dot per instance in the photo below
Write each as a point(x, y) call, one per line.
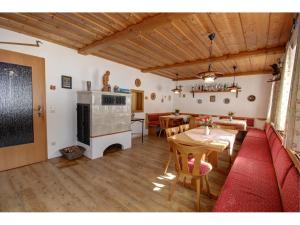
point(230, 114)
point(207, 122)
point(177, 112)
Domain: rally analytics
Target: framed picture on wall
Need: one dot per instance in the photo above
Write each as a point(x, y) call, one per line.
point(212, 98)
point(66, 82)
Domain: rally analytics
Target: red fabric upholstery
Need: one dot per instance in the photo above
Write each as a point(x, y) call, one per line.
point(153, 123)
point(205, 167)
point(252, 184)
point(253, 132)
point(290, 191)
point(282, 165)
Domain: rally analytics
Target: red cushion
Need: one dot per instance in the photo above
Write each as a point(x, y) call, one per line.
point(253, 132)
point(153, 117)
point(282, 165)
point(277, 145)
point(255, 149)
point(153, 123)
point(291, 191)
point(205, 167)
point(251, 186)
point(272, 137)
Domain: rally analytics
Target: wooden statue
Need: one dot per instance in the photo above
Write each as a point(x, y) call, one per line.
point(105, 79)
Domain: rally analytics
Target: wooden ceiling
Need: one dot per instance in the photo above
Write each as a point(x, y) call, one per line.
point(165, 43)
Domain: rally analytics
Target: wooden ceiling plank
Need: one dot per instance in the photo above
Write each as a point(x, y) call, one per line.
point(244, 54)
point(117, 19)
point(32, 31)
point(25, 18)
point(148, 24)
point(229, 28)
point(150, 52)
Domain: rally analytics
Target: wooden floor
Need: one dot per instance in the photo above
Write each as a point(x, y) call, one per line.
point(129, 180)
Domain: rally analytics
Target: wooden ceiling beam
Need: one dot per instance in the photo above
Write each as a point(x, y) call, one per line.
point(248, 73)
point(240, 55)
point(132, 31)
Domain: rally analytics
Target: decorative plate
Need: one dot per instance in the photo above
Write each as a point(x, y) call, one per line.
point(199, 101)
point(226, 100)
point(137, 82)
point(153, 96)
point(251, 98)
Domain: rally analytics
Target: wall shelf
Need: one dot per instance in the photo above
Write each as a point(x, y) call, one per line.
point(212, 91)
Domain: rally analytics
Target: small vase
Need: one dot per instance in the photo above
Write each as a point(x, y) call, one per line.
point(207, 131)
point(230, 118)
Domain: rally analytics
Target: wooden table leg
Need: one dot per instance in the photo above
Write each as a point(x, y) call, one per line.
point(213, 159)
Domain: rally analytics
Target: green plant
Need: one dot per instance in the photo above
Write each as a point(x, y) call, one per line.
point(177, 110)
point(230, 113)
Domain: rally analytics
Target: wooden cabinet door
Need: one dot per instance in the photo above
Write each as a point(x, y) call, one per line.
point(23, 138)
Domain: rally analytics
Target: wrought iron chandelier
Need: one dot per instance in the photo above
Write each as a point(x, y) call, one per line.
point(178, 88)
point(234, 87)
point(209, 76)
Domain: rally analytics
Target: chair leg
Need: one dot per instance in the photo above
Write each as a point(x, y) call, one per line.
point(168, 163)
point(198, 189)
point(159, 132)
point(207, 185)
point(173, 188)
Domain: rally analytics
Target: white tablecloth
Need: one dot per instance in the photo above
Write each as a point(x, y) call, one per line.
point(198, 134)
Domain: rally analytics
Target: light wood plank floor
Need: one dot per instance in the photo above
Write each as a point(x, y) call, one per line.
point(129, 180)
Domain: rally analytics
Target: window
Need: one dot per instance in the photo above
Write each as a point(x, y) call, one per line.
point(285, 86)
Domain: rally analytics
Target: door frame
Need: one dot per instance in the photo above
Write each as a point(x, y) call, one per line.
point(39, 147)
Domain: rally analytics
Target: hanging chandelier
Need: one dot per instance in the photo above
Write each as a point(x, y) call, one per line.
point(209, 76)
point(234, 87)
point(178, 88)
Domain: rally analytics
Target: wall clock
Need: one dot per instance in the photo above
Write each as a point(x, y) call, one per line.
point(153, 96)
point(251, 98)
point(226, 100)
point(137, 82)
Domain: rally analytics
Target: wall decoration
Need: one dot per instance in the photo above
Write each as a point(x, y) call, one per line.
point(137, 82)
point(251, 98)
point(105, 79)
point(183, 95)
point(52, 87)
point(16, 113)
point(66, 82)
point(212, 98)
point(199, 101)
point(169, 97)
point(153, 96)
point(226, 100)
point(146, 97)
point(162, 100)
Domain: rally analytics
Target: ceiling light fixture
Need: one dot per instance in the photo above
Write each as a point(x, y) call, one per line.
point(209, 76)
point(234, 87)
point(178, 88)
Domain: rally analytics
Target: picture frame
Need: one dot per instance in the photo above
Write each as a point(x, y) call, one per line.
point(212, 98)
point(66, 82)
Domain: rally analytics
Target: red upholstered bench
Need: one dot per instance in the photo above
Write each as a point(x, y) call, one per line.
point(263, 177)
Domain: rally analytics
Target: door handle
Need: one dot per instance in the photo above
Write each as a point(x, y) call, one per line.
point(39, 110)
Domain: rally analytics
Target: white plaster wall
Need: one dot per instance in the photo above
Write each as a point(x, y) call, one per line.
point(251, 85)
point(61, 119)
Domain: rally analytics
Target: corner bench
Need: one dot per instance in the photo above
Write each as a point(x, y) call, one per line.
point(263, 178)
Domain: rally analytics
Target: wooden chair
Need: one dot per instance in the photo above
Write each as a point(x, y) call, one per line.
point(184, 128)
point(191, 165)
point(170, 132)
point(164, 124)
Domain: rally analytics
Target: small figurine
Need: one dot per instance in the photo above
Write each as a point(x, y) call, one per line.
point(105, 79)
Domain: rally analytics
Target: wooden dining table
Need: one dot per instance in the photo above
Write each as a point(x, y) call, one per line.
point(240, 125)
point(217, 141)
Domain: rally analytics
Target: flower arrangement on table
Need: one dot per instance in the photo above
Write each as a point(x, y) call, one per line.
point(207, 122)
point(230, 114)
point(177, 112)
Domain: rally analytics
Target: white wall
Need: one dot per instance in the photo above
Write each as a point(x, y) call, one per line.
point(61, 124)
point(251, 85)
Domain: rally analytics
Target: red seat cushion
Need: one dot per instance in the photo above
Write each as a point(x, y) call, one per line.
point(153, 123)
point(290, 191)
point(282, 165)
point(253, 132)
point(277, 145)
point(251, 186)
point(255, 149)
point(205, 167)
point(153, 117)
